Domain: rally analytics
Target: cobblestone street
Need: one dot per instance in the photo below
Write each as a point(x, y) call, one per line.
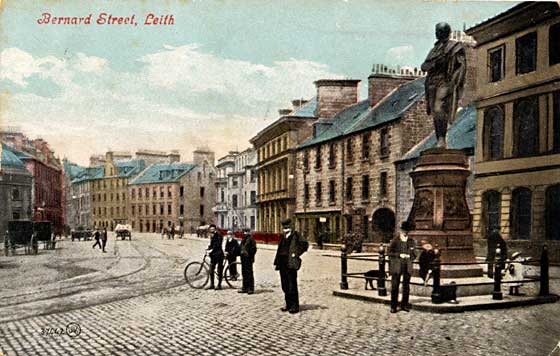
point(133, 301)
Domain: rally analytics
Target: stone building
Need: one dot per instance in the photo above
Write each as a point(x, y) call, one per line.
point(236, 189)
point(173, 194)
point(461, 135)
point(347, 178)
point(517, 180)
point(16, 186)
point(109, 190)
point(78, 187)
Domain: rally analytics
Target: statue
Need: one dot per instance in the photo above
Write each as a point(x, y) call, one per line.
point(446, 68)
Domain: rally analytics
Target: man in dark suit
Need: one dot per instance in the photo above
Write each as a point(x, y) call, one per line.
point(288, 262)
point(232, 251)
point(402, 251)
point(216, 254)
point(248, 251)
point(104, 239)
point(97, 237)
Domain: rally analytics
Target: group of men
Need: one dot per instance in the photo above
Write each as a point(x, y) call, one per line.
point(287, 261)
point(100, 239)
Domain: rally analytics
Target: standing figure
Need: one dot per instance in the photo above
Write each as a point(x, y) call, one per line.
point(97, 237)
point(288, 262)
point(248, 251)
point(446, 66)
point(216, 254)
point(402, 251)
point(495, 241)
point(515, 272)
point(232, 251)
point(104, 239)
point(172, 233)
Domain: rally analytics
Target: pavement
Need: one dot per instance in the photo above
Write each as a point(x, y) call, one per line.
point(133, 300)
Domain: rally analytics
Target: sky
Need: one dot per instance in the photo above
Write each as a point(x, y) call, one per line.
point(213, 79)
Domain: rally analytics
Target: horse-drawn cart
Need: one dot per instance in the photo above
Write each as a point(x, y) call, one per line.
point(42, 231)
point(20, 234)
point(82, 234)
point(123, 231)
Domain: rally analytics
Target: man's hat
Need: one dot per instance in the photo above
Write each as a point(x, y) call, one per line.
point(407, 226)
point(515, 255)
point(212, 225)
point(286, 222)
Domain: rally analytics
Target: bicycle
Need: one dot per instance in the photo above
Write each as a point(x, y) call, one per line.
point(197, 273)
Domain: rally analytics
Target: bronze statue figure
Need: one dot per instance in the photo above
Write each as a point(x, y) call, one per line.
point(446, 68)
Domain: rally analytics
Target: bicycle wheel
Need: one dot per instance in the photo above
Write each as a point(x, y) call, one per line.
point(234, 281)
point(196, 275)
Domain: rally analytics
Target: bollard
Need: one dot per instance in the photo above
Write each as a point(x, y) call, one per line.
point(381, 290)
point(436, 269)
point(343, 268)
point(497, 294)
point(543, 290)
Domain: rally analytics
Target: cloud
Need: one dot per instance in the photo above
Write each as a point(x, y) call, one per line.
point(179, 98)
point(402, 55)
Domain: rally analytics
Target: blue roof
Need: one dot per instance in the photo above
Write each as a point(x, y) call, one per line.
point(130, 168)
point(360, 116)
point(306, 110)
point(88, 173)
point(10, 159)
point(163, 173)
point(460, 135)
point(72, 170)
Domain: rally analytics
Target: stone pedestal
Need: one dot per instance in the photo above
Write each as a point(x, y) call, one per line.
point(440, 212)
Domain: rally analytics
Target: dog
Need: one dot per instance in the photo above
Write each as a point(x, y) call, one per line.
point(370, 276)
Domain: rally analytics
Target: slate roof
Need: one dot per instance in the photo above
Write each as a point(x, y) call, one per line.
point(460, 135)
point(306, 110)
point(10, 159)
point(360, 116)
point(72, 170)
point(88, 173)
point(130, 168)
point(163, 173)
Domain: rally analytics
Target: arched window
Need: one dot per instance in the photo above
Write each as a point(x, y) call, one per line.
point(552, 212)
point(491, 201)
point(493, 133)
point(520, 214)
point(526, 127)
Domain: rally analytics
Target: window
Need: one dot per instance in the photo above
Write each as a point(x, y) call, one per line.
point(139, 192)
point(169, 192)
point(199, 177)
point(16, 195)
point(252, 222)
point(161, 209)
point(491, 203)
point(526, 53)
point(118, 211)
point(222, 196)
point(365, 187)
point(161, 192)
point(201, 210)
point(253, 175)
point(332, 155)
point(349, 223)
point(526, 126)
point(520, 214)
point(552, 212)
point(234, 201)
point(234, 182)
point(556, 122)
point(306, 160)
point(169, 210)
point(104, 196)
point(181, 209)
point(332, 191)
point(154, 193)
point(365, 145)
point(318, 157)
point(112, 196)
point(554, 44)
point(383, 184)
point(349, 151)
point(112, 211)
point(133, 193)
point(318, 192)
point(117, 196)
point(306, 193)
point(133, 211)
point(253, 197)
point(349, 189)
point(493, 133)
point(16, 215)
point(202, 192)
point(384, 148)
point(496, 64)
point(154, 211)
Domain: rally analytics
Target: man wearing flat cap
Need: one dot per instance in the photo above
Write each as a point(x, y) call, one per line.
point(288, 262)
point(402, 251)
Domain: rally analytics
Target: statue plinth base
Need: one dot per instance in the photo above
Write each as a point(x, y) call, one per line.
point(440, 212)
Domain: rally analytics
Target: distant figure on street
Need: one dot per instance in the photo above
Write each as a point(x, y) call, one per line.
point(248, 252)
point(515, 272)
point(97, 237)
point(495, 241)
point(172, 232)
point(232, 251)
point(104, 239)
point(288, 262)
point(401, 253)
point(181, 231)
point(425, 260)
point(216, 256)
point(323, 236)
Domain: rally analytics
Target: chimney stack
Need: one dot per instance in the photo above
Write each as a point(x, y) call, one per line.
point(333, 95)
point(384, 79)
point(298, 103)
point(284, 112)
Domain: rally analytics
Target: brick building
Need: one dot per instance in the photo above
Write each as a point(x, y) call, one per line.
point(16, 188)
point(173, 194)
point(347, 179)
point(517, 180)
point(236, 189)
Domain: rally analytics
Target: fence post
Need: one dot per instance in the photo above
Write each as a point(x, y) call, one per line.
point(436, 269)
point(543, 290)
point(343, 268)
point(381, 290)
point(497, 294)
